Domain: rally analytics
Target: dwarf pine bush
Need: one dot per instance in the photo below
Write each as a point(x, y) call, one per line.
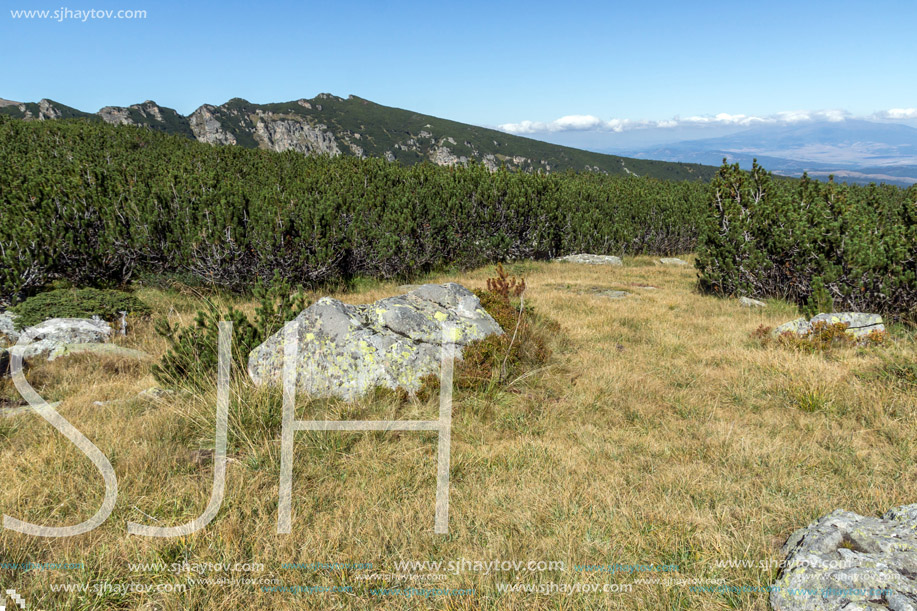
point(98, 205)
point(818, 244)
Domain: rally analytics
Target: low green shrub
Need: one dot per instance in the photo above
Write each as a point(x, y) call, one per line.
point(523, 348)
point(821, 245)
point(78, 303)
point(192, 356)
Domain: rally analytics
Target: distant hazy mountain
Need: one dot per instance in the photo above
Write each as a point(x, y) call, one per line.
point(336, 126)
point(854, 150)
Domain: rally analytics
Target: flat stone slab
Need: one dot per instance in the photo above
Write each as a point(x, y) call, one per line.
point(51, 337)
point(596, 291)
point(610, 294)
point(673, 261)
point(591, 259)
point(748, 302)
point(347, 350)
point(845, 561)
point(105, 349)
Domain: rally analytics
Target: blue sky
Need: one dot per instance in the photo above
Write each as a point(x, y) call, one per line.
point(487, 63)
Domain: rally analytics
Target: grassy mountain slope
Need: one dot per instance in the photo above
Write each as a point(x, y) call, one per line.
point(353, 126)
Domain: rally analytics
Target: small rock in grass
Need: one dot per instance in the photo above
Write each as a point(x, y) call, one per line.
point(611, 294)
point(591, 259)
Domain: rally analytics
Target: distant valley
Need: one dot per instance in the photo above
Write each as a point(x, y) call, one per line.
point(852, 150)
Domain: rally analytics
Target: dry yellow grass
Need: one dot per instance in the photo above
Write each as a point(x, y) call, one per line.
point(660, 434)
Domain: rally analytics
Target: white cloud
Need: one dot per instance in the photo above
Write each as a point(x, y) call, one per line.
point(571, 123)
point(897, 113)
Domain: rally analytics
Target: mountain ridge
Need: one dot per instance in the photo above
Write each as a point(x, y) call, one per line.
point(332, 125)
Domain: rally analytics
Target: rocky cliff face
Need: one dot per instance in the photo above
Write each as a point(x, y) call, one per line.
point(279, 134)
point(207, 128)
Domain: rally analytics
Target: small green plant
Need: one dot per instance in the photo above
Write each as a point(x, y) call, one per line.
point(78, 303)
point(192, 357)
point(523, 347)
point(820, 300)
point(505, 286)
point(810, 399)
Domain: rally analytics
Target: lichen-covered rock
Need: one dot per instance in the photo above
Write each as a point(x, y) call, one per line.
point(673, 261)
point(859, 324)
point(800, 326)
point(592, 259)
point(52, 337)
point(848, 561)
point(346, 350)
point(748, 302)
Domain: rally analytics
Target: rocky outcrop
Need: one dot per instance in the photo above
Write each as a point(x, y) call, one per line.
point(207, 128)
point(149, 113)
point(859, 324)
point(116, 115)
point(845, 561)
point(295, 135)
point(347, 350)
point(47, 110)
point(591, 259)
point(441, 155)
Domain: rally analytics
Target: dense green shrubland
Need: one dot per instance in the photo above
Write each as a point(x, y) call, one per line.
point(78, 303)
point(822, 245)
point(96, 205)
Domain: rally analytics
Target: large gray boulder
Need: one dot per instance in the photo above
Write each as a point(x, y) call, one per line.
point(591, 259)
point(52, 337)
point(346, 350)
point(859, 324)
point(851, 562)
